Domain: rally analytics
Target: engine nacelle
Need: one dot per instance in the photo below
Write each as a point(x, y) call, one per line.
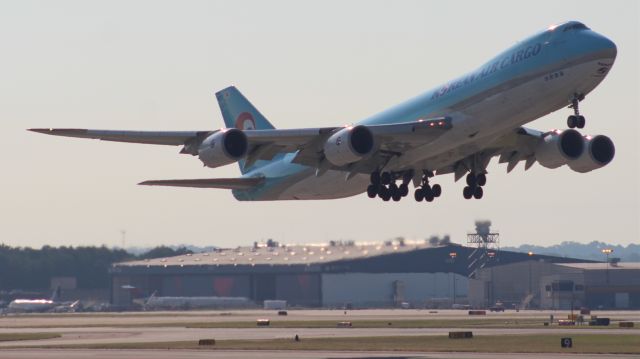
point(349, 145)
point(559, 148)
point(599, 151)
point(223, 147)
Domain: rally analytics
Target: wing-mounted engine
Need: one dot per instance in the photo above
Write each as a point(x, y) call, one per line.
point(223, 147)
point(559, 148)
point(599, 151)
point(348, 145)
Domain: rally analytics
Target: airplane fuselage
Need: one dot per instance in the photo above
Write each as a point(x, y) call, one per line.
point(525, 82)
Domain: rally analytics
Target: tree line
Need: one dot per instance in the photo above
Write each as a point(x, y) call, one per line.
point(27, 268)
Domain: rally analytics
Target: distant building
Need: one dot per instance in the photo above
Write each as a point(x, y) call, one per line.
point(540, 284)
point(332, 275)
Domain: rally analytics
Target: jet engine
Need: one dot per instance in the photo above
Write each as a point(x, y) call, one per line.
point(599, 151)
point(559, 148)
point(223, 147)
point(349, 145)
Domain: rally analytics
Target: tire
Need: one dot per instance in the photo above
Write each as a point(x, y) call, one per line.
point(429, 197)
point(572, 121)
point(482, 179)
point(404, 190)
point(418, 195)
point(437, 190)
point(472, 180)
point(477, 194)
point(467, 192)
point(385, 178)
point(383, 191)
point(375, 178)
point(581, 122)
point(372, 191)
point(393, 189)
point(396, 196)
point(386, 197)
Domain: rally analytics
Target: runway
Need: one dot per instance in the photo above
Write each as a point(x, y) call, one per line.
point(105, 335)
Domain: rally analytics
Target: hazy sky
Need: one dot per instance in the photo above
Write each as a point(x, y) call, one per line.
point(155, 65)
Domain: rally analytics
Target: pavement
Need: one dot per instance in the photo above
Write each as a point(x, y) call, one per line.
point(106, 328)
point(105, 335)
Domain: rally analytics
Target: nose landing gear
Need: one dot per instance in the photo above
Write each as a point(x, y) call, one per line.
point(576, 120)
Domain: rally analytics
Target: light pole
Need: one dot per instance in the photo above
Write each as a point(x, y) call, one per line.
point(453, 256)
point(491, 255)
point(606, 252)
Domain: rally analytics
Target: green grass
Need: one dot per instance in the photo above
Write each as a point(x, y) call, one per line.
point(588, 343)
point(9, 337)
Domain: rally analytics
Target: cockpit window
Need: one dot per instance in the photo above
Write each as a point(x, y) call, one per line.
point(575, 26)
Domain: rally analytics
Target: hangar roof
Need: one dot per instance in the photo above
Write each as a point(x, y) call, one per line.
point(602, 266)
point(283, 254)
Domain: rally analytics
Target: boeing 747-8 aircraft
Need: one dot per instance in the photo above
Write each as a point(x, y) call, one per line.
point(456, 128)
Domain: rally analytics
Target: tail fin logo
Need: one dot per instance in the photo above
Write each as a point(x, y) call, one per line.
point(245, 121)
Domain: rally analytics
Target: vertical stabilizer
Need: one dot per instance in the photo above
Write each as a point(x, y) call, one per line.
point(239, 113)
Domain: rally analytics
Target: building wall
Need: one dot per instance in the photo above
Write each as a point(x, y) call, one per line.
point(384, 289)
point(515, 283)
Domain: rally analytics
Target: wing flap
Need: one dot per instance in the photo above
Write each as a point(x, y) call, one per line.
point(222, 183)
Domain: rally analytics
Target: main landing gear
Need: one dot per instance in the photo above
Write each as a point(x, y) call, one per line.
point(576, 120)
point(384, 185)
point(427, 192)
point(475, 182)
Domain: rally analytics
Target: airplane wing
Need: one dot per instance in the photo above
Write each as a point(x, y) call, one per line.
point(171, 138)
point(223, 183)
point(511, 148)
point(393, 140)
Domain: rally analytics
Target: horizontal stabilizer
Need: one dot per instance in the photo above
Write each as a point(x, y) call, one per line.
point(224, 183)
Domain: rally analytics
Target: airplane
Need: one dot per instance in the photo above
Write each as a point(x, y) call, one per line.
point(154, 302)
point(456, 128)
point(41, 305)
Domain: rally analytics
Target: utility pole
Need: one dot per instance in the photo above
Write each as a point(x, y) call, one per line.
point(606, 252)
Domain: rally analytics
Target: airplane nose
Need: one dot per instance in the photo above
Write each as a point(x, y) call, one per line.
point(608, 47)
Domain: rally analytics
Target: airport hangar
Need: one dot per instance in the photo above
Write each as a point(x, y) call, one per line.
point(332, 275)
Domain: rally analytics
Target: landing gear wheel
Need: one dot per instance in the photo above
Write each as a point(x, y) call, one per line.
point(404, 190)
point(580, 122)
point(385, 178)
point(572, 121)
point(467, 192)
point(418, 195)
point(428, 196)
point(386, 197)
point(478, 192)
point(481, 179)
point(372, 191)
point(383, 191)
point(375, 178)
point(471, 180)
point(437, 190)
point(396, 196)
